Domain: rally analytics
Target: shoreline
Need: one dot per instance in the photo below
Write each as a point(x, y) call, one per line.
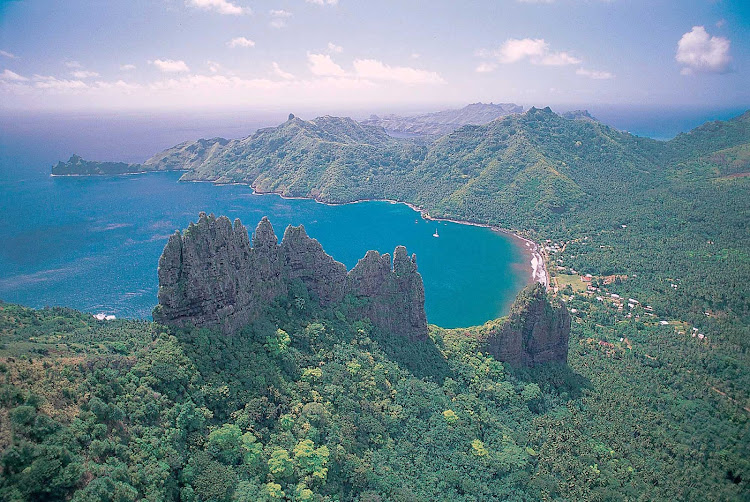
point(533, 251)
point(530, 249)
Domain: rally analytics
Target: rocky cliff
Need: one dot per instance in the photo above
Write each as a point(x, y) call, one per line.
point(535, 332)
point(211, 275)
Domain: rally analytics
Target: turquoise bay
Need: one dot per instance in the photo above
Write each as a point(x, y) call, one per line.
point(94, 243)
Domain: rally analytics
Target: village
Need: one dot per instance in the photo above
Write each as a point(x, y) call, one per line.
point(579, 290)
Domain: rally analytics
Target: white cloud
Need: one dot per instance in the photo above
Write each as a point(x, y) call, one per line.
point(281, 73)
point(73, 64)
point(486, 67)
point(79, 74)
point(721, 22)
point(535, 1)
point(700, 52)
point(371, 69)
point(377, 70)
point(119, 85)
point(213, 66)
point(595, 74)
point(178, 91)
point(8, 54)
point(536, 50)
point(12, 76)
point(415, 55)
point(278, 18)
point(323, 65)
point(170, 65)
point(127, 67)
point(240, 42)
point(323, 2)
point(335, 48)
point(55, 84)
point(220, 6)
point(558, 59)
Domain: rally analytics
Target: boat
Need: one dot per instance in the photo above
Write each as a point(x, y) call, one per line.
point(436, 233)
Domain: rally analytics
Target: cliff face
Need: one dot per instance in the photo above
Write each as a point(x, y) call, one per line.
point(535, 332)
point(211, 275)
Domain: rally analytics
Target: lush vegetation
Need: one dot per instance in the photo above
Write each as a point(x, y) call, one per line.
point(308, 404)
point(685, 202)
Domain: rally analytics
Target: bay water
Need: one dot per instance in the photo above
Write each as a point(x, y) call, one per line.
point(93, 243)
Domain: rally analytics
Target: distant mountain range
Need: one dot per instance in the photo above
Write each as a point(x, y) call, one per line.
point(444, 122)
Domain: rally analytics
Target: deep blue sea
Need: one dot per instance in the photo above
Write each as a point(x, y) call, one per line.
point(94, 243)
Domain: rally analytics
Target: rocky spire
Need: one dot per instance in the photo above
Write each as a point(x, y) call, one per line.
point(210, 275)
point(536, 331)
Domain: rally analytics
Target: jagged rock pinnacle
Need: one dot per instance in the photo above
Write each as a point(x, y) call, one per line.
point(210, 275)
point(536, 331)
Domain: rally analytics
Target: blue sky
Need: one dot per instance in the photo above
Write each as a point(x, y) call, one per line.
point(193, 54)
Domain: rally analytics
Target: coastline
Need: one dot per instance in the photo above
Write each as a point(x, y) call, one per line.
point(531, 249)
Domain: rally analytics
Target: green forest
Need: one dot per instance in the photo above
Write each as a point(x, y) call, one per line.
point(311, 403)
point(308, 404)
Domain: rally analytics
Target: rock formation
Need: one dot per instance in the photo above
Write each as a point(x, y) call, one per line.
point(535, 332)
point(210, 275)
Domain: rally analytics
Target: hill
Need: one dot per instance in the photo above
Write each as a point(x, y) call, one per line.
point(269, 383)
point(683, 203)
point(76, 166)
point(311, 403)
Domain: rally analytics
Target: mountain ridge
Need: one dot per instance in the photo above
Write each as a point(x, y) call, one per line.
point(445, 121)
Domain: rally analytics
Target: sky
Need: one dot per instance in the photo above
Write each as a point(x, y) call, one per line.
point(269, 54)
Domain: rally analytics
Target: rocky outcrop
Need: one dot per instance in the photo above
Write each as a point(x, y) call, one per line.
point(395, 295)
point(578, 115)
point(535, 332)
point(211, 275)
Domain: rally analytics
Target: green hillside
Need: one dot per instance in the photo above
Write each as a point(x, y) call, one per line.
point(312, 404)
point(315, 403)
point(684, 203)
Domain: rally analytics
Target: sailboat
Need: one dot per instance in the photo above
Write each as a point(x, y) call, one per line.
point(435, 234)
